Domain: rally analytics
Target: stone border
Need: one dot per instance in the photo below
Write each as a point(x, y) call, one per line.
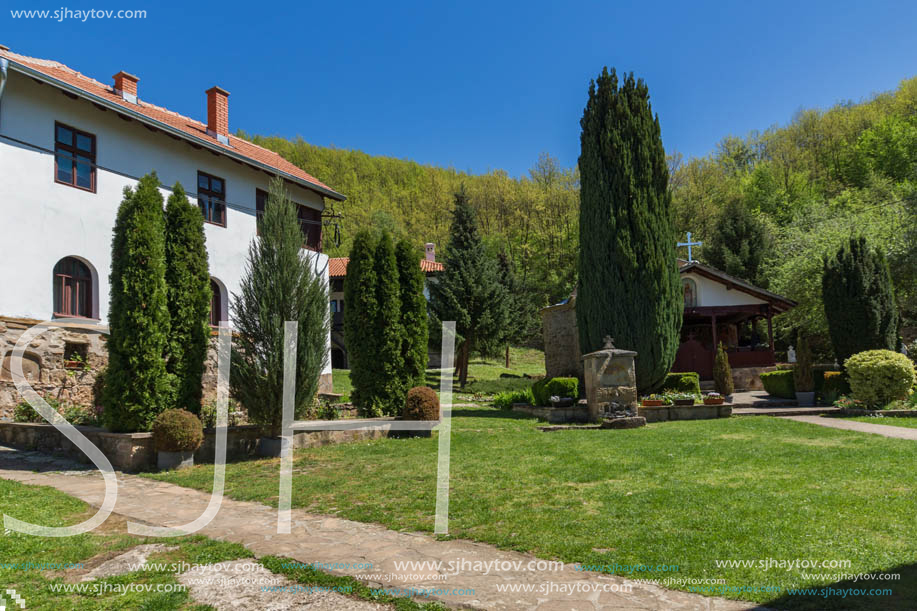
point(888, 413)
point(668, 413)
point(135, 452)
point(555, 415)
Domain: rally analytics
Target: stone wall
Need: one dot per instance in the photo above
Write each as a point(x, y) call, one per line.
point(562, 357)
point(44, 364)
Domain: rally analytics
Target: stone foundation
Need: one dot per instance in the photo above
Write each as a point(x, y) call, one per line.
point(135, 451)
point(555, 415)
point(666, 413)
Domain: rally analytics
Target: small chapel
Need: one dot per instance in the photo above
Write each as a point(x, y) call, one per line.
point(719, 308)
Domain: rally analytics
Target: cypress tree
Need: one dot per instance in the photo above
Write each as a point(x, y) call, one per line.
point(137, 386)
point(188, 293)
point(280, 282)
point(739, 243)
point(360, 314)
point(628, 282)
point(468, 291)
point(413, 314)
point(389, 386)
point(859, 300)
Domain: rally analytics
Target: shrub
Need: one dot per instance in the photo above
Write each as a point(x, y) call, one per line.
point(686, 382)
point(802, 372)
point(831, 385)
point(23, 412)
point(421, 403)
point(722, 373)
point(878, 377)
point(506, 399)
point(543, 390)
point(779, 383)
point(177, 430)
point(77, 415)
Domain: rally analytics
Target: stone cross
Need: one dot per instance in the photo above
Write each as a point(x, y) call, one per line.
point(689, 244)
point(609, 343)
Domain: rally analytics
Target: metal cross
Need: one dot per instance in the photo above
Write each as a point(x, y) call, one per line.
point(689, 244)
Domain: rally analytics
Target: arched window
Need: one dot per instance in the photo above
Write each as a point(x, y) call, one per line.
point(216, 303)
point(72, 288)
point(690, 288)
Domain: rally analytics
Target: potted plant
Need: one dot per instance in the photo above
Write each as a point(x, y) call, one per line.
point(802, 374)
point(176, 435)
point(653, 401)
point(714, 398)
point(682, 398)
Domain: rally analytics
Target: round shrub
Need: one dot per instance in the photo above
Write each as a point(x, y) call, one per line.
point(177, 430)
point(421, 403)
point(878, 377)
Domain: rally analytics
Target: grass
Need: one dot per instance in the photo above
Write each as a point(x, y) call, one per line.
point(910, 423)
point(483, 374)
point(685, 493)
point(50, 507)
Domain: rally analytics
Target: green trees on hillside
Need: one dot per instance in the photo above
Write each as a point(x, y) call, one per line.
point(188, 298)
point(859, 300)
point(137, 386)
point(468, 291)
point(280, 282)
point(628, 282)
point(739, 243)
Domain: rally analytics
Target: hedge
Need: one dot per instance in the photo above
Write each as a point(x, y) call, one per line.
point(543, 390)
point(780, 383)
point(686, 382)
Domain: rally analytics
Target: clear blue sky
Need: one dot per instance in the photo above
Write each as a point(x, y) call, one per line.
point(482, 85)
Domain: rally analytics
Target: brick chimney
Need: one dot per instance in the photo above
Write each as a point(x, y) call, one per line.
point(430, 249)
point(218, 114)
point(126, 86)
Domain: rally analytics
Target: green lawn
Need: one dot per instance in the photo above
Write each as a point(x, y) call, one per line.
point(483, 374)
point(889, 420)
point(684, 493)
point(50, 507)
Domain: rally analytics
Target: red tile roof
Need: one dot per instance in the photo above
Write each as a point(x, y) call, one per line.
point(337, 267)
point(59, 74)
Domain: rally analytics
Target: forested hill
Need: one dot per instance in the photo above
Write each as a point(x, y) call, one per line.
point(806, 186)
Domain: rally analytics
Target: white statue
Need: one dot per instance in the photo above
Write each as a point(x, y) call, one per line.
point(790, 355)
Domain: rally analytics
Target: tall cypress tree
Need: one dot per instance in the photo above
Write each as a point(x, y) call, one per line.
point(628, 282)
point(739, 243)
point(468, 291)
point(280, 282)
point(390, 386)
point(413, 314)
point(137, 387)
point(188, 292)
point(859, 300)
point(360, 315)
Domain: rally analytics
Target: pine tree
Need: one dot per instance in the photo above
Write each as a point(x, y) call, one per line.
point(280, 282)
point(390, 387)
point(628, 282)
point(468, 291)
point(859, 300)
point(360, 315)
point(137, 386)
point(413, 314)
point(739, 243)
point(188, 293)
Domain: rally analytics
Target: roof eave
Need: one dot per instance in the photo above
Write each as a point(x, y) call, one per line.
point(41, 76)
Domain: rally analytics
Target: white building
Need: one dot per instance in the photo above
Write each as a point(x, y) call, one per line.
point(69, 145)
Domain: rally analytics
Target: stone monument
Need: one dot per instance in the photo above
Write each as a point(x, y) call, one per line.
point(611, 387)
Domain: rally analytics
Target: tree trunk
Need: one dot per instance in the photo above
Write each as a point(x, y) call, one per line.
point(463, 373)
point(507, 356)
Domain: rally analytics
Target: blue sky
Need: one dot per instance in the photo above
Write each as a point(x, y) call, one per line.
point(484, 85)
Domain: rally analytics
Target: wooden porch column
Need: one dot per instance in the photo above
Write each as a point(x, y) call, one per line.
point(715, 344)
point(770, 330)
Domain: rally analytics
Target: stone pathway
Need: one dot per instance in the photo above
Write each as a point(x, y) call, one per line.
point(898, 432)
point(325, 539)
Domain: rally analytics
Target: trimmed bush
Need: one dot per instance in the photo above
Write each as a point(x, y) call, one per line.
point(506, 399)
point(831, 385)
point(685, 382)
point(421, 403)
point(722, 373)
point(803, 379)
point(779, 383)
point(878, 377)
point(177, 430)
point(543, 390)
